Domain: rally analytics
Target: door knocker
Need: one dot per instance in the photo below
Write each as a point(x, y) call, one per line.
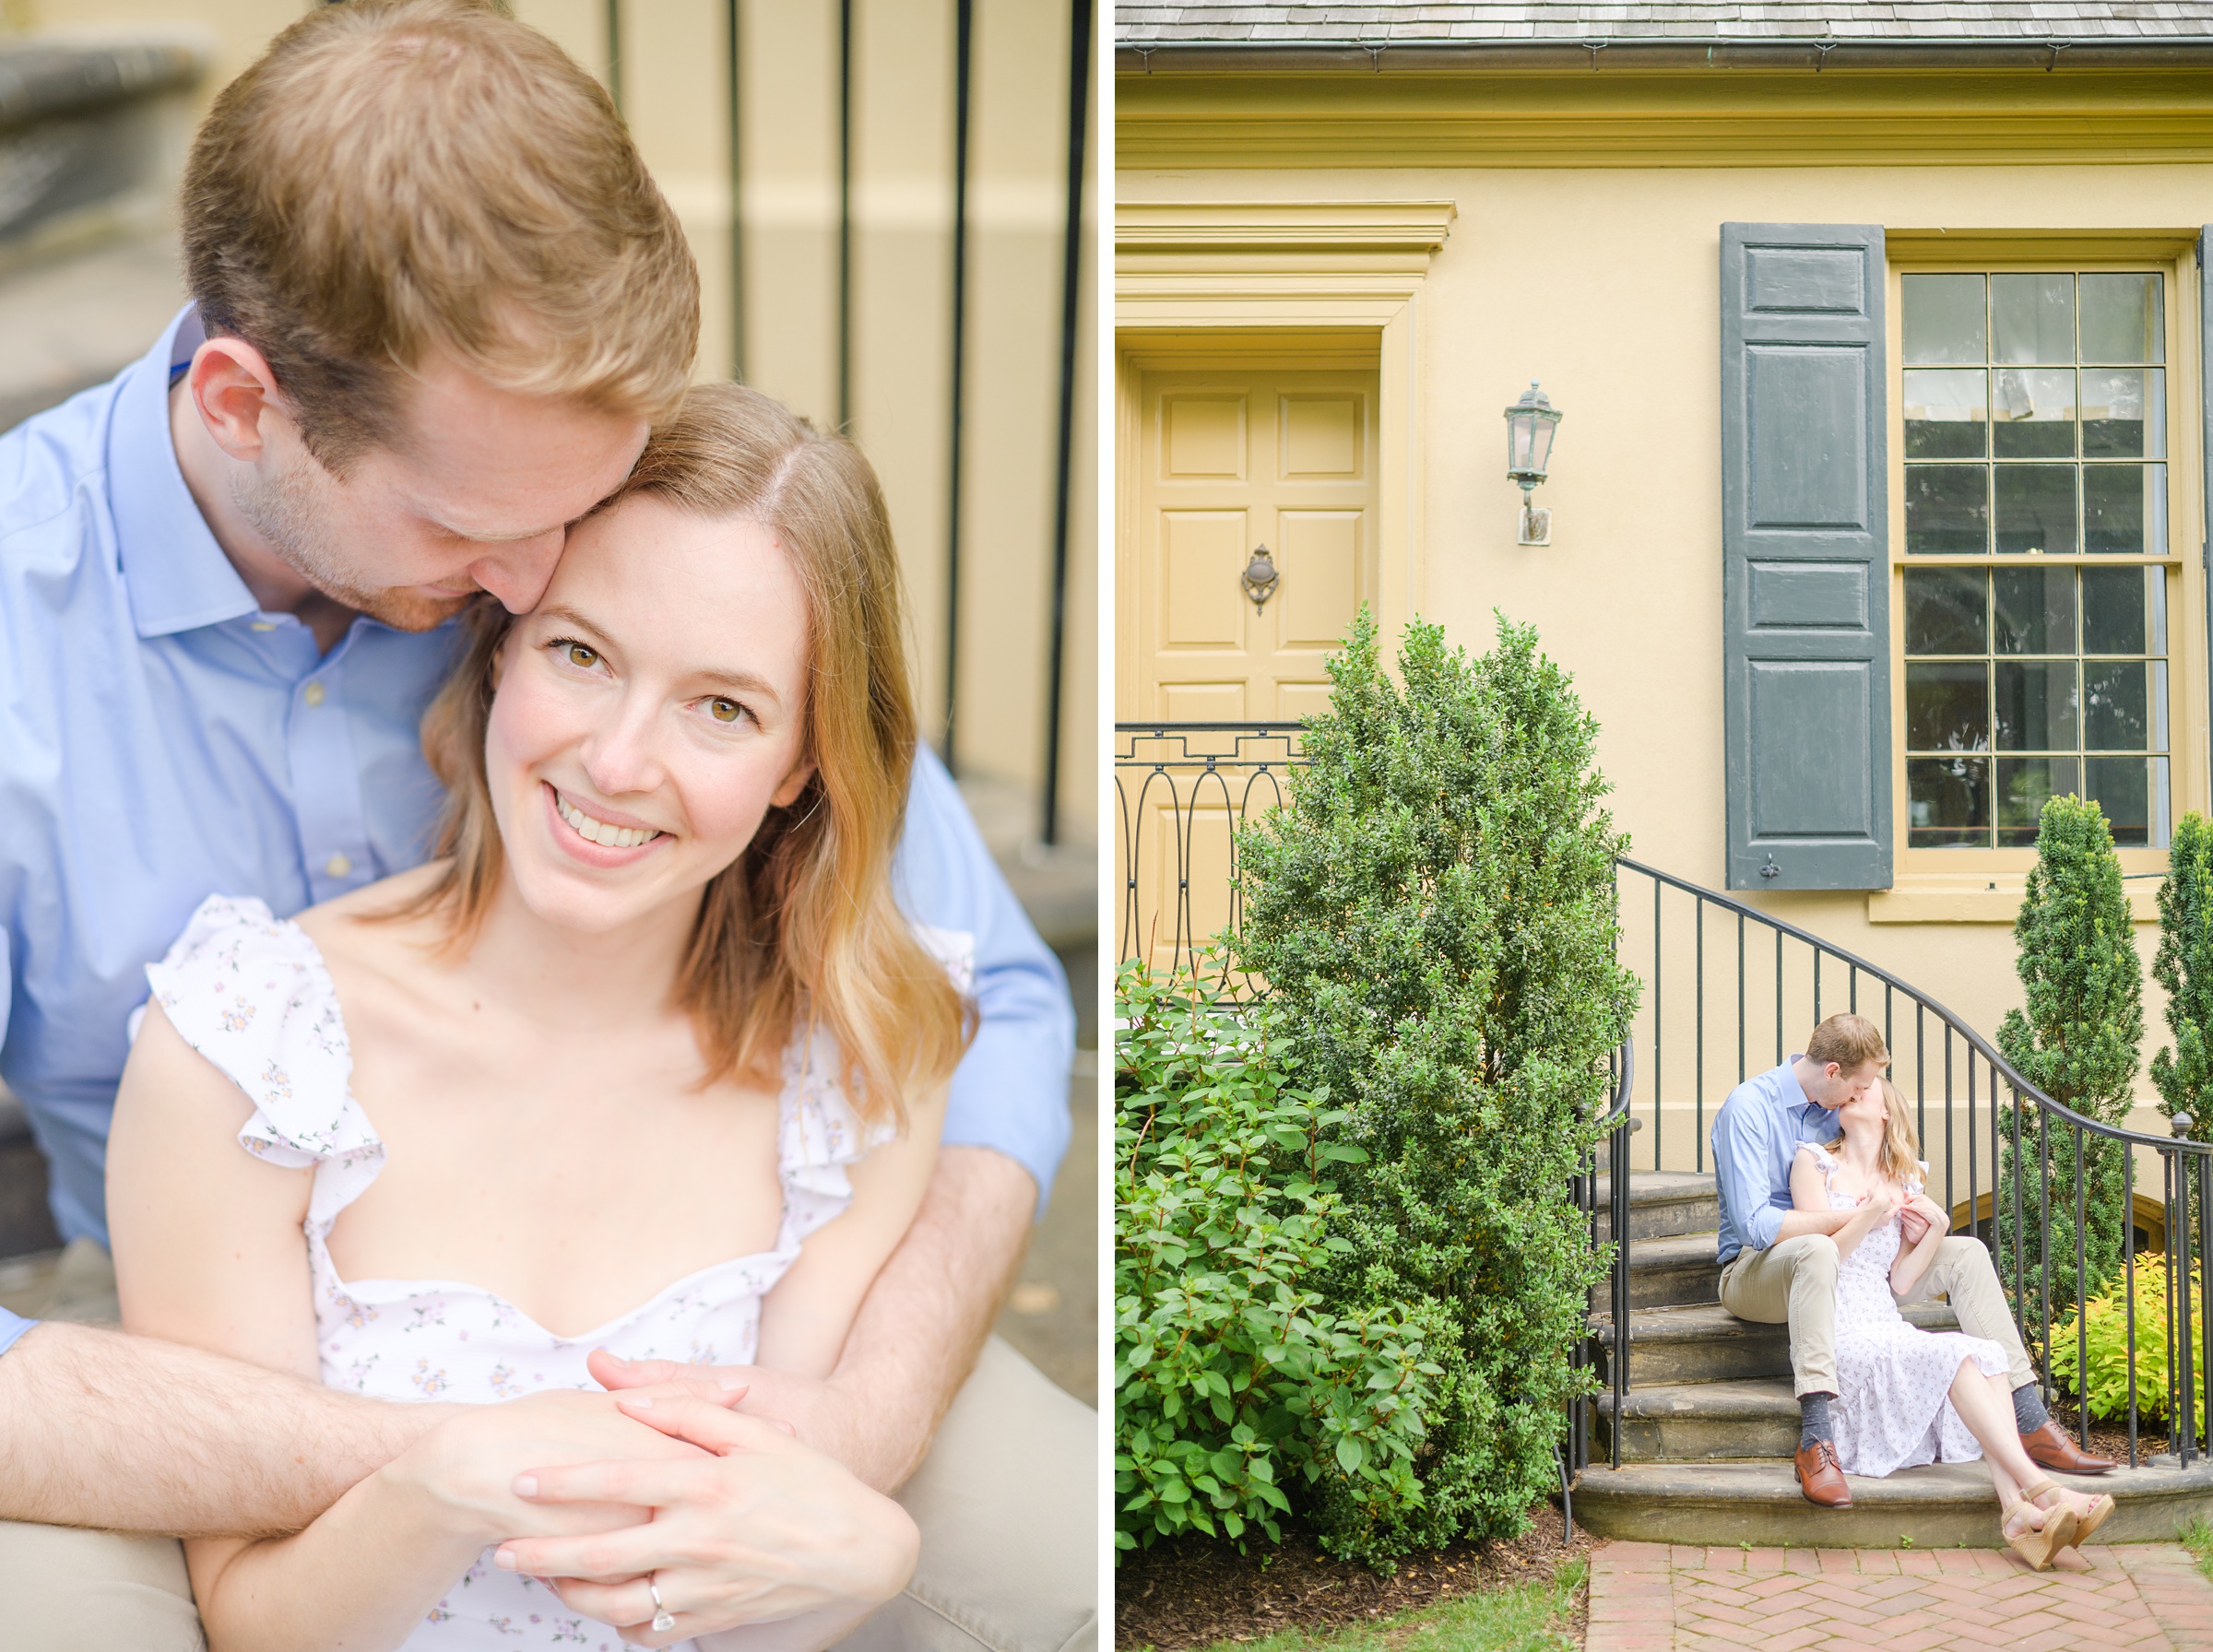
point(1260, 578)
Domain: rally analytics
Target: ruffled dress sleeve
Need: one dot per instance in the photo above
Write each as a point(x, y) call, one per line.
point(249, 992)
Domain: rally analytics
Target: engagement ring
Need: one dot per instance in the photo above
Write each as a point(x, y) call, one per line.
point(663, 1619)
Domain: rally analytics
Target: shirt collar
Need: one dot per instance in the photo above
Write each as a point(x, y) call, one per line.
point(177, 575)
point(1795, 1098)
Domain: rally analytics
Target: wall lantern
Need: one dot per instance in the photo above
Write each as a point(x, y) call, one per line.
point(1529, 423)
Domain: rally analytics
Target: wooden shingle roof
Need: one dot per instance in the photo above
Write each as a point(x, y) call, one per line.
point(1447, 23)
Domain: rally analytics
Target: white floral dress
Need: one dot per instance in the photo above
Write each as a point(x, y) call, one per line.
point(251, 994)
point(1893, 1408)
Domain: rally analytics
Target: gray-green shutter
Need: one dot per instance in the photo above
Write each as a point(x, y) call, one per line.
point(2205, 377)
point(1805, 641)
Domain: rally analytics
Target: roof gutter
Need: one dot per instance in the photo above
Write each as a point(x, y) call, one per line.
point(1670, 52)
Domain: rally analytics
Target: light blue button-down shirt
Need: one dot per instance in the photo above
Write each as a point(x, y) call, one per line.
point(12, 1328)
point(1756, 1136)
point(161, 740)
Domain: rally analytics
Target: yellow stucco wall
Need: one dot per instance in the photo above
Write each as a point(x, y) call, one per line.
point(1601, 281)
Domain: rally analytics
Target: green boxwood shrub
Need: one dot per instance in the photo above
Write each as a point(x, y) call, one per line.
point(2076, 1039)
point(1240, 1393)
point(1433, 911)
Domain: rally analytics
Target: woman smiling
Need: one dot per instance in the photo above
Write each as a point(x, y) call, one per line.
point(649, 1061)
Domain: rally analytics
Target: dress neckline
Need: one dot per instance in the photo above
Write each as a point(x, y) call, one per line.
point(379, 1289)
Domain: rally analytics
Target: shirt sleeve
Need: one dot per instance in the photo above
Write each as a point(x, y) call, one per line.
point(12, 1329)
point(1010, 1091)
point(1739, 1160)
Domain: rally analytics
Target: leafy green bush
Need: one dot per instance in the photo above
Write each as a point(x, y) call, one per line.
point(2184, 966)
point(2105, 1339)
point(1237, 1387)
point(1434, 912)
point(2076, 1042)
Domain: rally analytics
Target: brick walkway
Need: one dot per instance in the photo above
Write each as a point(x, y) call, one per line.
point(1652, 1598)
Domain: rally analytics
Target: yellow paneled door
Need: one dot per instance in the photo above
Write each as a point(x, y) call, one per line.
point(1230, 464)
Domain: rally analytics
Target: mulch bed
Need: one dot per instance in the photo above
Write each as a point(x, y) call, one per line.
point(2109, 1435)
point(1193, 1592)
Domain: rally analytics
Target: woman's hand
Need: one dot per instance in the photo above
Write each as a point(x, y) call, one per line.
point(761, 1526)
point(466, 1468)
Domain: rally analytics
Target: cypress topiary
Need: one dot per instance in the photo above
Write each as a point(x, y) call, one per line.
point(2184, 967)
point(2076, 1039)
point(1433, 912)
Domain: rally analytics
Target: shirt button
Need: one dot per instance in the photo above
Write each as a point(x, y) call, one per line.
point(337, 866)
point(314, 695)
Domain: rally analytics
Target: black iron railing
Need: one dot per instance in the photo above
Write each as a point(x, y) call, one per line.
point(1727, 988)
point(1613, 1193)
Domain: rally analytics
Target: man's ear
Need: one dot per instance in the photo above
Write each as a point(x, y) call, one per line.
point(233, 390)
point(794, 783)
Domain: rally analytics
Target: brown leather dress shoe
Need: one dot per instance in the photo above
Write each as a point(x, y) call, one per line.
point(2052, 1449)
point(1819, 1477)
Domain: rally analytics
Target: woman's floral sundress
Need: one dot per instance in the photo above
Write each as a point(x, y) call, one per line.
point(250, 993)
point(1893, 1408)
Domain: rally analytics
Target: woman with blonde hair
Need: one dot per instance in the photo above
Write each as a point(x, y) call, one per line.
point(648, 1061)
point(1907, 1396)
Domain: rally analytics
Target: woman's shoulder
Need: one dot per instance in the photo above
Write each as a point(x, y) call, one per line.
point(365, 923)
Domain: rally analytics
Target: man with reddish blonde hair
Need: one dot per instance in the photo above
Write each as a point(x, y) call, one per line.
point(438, 303)
point(1778, 1264)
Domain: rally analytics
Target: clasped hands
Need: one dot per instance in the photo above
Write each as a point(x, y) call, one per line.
point(734, 1518)
point(1916, 1214)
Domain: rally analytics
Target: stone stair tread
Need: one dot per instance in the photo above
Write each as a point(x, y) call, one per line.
point(1938, 1505)
point(1676, 1250)
point(1699, 1322)
point(1661, 1187)
point(1748, 1400)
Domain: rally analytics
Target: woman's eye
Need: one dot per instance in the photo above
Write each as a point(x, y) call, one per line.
point(726, 710)
point(580, 655)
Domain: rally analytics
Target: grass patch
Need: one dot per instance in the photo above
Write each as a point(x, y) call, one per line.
point(1521, 1617)
point(2198, 1537)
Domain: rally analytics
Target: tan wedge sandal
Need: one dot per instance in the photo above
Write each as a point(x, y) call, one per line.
point(2102, 1506)
point(2038, 1545)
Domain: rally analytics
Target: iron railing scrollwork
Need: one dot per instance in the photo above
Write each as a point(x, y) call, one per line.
point(1720, 979)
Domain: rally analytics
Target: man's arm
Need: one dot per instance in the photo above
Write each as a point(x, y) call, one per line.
point(915, 1338)
point(126, 1433)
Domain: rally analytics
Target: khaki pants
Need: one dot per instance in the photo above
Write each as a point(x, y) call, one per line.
point(1795, 1282)
point(1007, 1501)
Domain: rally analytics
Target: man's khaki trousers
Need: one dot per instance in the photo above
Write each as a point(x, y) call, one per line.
point(1795, 1282)
point(1007, 1502)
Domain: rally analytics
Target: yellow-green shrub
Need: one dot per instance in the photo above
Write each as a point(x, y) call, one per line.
point(2105, 1341)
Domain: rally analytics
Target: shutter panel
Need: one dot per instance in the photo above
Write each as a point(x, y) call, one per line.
point(1805, 557)
point(2205, 380)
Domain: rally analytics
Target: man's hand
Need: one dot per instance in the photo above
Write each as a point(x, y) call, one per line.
point(468, 1465)
point(916, 1336)
point(755, 1527)
point(1920, 1214)
point(813, 1409)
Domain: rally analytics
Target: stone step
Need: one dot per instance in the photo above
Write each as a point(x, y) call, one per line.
point(1942, 1505)
point(1702, 1421)
point(1662, 1203)
point(1667, 1272)
point(1705, 1343)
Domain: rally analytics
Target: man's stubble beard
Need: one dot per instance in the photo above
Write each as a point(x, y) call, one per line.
point(287, 509)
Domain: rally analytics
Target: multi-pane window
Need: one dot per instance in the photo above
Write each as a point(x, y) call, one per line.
point(2035, 429)
point(2035, 415)
point(2021, 682)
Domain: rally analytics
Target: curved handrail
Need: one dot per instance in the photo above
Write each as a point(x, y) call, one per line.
point(1974, 1040)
